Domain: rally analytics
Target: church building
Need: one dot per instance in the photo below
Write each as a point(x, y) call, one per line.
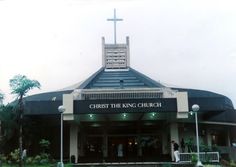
point(121, 115)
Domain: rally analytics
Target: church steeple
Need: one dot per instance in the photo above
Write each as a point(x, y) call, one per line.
point(115, 56)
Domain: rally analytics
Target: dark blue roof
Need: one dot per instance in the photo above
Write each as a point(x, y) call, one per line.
point(198, 93)
point(123, 79)
point(209, 101)
point(48, 96)
point(215, 107)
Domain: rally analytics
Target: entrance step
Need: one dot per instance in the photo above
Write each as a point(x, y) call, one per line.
point(135, 164)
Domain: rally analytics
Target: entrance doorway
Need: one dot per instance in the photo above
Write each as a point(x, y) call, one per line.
point(122, 148)
point(134, 148)
point(137, 143)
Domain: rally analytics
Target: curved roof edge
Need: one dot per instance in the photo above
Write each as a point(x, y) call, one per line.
point(198, 92)
point(48, 96)
point(208, 99)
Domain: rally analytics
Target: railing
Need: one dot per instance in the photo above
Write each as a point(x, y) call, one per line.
point(204, 156)
point(231, 151)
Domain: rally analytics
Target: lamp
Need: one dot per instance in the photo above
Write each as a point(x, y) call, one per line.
point(195, 109)
point(61, 110)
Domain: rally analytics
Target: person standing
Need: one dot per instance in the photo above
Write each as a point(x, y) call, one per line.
point(120, 150)
point(23, 157)
point(182, 144)
point(176, 151)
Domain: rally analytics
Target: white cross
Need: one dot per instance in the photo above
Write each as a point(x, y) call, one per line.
point(115, 20)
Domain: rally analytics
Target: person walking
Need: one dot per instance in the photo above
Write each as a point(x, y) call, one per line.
point(176, 151)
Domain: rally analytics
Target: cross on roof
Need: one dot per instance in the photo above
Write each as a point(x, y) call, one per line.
point(114, 19)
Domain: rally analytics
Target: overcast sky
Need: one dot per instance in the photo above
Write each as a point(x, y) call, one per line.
point(182, 43)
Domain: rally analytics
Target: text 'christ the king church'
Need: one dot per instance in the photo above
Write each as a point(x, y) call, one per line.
point(121, 115)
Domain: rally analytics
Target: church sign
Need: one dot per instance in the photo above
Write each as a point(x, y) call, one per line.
point(124, 105)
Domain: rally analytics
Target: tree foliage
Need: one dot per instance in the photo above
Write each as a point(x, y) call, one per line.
point(1, 96)
point(44, 144)
point(8, 121)
point(21, 85)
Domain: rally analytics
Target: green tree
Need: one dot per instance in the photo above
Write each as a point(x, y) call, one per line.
point(1, 97)
point(8, 123)
point(44, 144)
point(20, 86)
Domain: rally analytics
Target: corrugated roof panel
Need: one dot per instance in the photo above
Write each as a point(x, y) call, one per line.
point(121, 79)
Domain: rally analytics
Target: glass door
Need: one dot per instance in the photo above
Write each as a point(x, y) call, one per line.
point(122, 148)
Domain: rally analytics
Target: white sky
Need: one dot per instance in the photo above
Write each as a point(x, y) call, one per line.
point(185, 43)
